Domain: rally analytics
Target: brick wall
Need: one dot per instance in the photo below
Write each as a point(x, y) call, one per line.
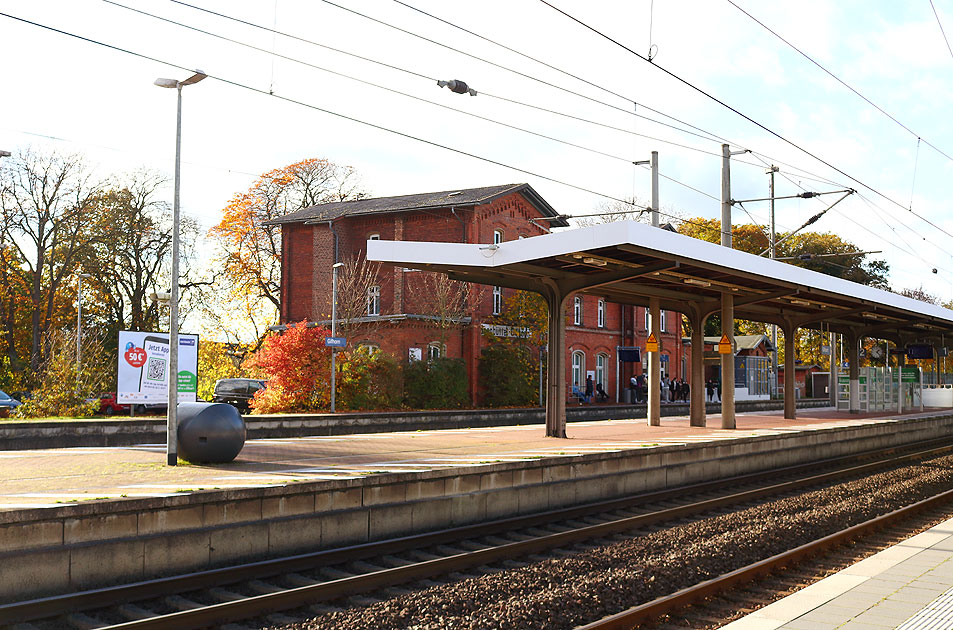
point(306, 287)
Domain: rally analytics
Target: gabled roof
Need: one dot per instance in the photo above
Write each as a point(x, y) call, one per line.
point(421, 201)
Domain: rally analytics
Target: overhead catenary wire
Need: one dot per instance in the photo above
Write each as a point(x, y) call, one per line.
point(942, 31)
point(343, 116)
point(844, 83)
point(709, 136)
point(738, 112)
point(395, 132)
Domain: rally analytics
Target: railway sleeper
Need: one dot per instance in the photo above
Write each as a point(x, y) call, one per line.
point(177, 602)
point(82, 621)
point(133, 612)
point(224, 595)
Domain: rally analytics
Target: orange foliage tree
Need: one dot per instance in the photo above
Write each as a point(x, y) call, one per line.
point(250, 251)
point(296, 365)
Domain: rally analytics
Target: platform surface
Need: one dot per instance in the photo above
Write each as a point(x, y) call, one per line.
point(57, 477)
point(908, 587)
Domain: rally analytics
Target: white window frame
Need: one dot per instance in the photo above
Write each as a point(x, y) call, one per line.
point(602, 370)
point(435, 350)
point(661, 321)
point(374, 300)
point(374, 237)
point(497, 237)
point(601, 319)
point(578, 368)
point(497, 300)
point(648, 319)
point(577, 311)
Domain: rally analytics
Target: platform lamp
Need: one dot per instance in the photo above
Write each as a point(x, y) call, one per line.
point(172, 417)
point(334, 324)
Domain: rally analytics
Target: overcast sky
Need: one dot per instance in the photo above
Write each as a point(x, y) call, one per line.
point(263, 109)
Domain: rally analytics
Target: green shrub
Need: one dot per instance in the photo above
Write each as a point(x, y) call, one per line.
point(368, 381)
point(436, 384)
point(508, 376)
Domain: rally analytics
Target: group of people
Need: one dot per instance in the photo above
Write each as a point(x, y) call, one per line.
point(597, 392)
point(671, 390)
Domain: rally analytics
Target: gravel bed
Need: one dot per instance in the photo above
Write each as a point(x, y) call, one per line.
point(564, 592)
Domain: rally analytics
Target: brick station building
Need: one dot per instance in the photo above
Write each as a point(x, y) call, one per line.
point(314, 238)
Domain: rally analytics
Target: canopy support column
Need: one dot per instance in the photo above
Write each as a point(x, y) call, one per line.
point(697, 380)
point(790, 389)
point(728, 362)
point(653, 411)
point(556, 362)
point(853, 341)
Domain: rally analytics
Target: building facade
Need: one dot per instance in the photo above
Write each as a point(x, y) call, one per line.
point(315, 238)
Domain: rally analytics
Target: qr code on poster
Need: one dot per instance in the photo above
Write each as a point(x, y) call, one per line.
point(155, 369)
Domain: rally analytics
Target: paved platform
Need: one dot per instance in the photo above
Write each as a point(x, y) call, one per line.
point(908, 587)
point(58, 477)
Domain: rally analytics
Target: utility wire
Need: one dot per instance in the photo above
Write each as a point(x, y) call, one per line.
point(844, 83)
point(349, 118)
point(940, 24)
point(417, 98)
point(743, 115)
point(708, 135)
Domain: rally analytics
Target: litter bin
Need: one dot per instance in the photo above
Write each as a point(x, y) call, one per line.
point(211, 433)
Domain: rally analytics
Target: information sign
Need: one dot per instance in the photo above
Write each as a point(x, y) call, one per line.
point(142, 375)
point(651, 344)
point(910, 375)
point(335, 342)
point(724, 346)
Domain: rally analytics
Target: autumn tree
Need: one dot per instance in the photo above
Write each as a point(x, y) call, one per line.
point(509, 363)
point(355, 278)
point(45, 201)
point(250, 250)
point(295, 363)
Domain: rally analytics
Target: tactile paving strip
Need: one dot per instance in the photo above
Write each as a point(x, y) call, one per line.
point(937, 615)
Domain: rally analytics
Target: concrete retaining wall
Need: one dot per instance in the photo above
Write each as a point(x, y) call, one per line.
point(44, 551)
point(151, 430)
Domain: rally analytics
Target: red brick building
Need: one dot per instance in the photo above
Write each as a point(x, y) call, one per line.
point(314, 238)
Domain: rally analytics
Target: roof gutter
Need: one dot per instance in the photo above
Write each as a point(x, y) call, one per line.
point(331, 226)
point(463, 225)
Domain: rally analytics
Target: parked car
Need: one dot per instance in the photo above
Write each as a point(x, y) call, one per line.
point(21, 396)
point(7, 404)
point(108, 405)
point(237, 392)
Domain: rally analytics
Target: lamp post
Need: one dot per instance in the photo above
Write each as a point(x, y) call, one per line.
point(334, 324)
point(79, 323)
point(172, 417)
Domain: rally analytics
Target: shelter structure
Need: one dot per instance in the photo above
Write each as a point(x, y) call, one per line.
point(633, 263)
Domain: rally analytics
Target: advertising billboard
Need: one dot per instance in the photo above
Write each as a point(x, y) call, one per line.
point(144, 367)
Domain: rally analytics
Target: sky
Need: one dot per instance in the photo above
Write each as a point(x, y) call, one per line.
point(561, 106)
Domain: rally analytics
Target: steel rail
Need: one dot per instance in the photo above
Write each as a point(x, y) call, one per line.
point(293, 598)
point(628, 619)
point(256, 605)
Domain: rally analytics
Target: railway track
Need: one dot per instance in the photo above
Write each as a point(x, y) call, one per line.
point(256, 590)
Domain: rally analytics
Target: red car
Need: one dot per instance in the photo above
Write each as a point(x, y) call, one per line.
point(108, 405)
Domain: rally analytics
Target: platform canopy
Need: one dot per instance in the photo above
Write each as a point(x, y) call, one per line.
point(633, 263)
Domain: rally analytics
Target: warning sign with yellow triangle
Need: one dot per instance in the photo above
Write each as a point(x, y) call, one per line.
point(724, 346)
point(651, 344)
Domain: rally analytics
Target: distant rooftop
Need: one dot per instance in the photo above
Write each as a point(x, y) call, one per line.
point(421, 201)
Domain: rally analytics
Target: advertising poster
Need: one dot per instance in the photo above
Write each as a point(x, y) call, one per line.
point(144, 367)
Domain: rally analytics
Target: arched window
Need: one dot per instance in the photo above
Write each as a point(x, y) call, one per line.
point(435, 350)
point(577, 311)
point(374, 300)
point(601, 319)
point(578, 368)
point(373, 237)
point(497, 300)
point(497, 237)
point(602, 370)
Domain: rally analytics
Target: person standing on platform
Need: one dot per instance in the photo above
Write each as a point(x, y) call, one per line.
point(718, 388)
point(589, 390)
point(710, 390)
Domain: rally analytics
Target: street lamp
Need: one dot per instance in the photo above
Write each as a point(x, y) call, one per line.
point(79, 323)
point(334, 324)
point(172, 416)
